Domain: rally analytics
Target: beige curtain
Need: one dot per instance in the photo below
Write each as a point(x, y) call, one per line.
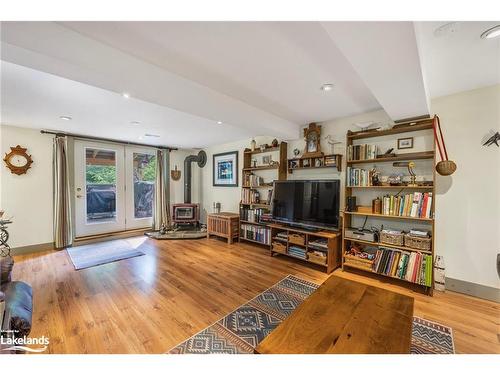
point(162, 191)
point(63, 229)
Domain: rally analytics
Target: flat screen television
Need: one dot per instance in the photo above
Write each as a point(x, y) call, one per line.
point(307, 203)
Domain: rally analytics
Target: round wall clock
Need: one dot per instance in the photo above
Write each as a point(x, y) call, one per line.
point(18, 160)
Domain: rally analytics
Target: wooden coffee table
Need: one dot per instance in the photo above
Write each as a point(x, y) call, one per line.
point(344, 317)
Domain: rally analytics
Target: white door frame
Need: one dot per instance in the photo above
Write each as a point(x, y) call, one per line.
point(131, 221)
point(82, 227)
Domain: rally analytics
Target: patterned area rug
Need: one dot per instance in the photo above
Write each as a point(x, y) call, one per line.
point(242, 330)
point(431, 338)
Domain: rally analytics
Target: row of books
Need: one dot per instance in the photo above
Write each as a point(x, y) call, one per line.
point(359, 177)
point(252, 214)
point(413, 267)
point(297, 252)
point(330, 161)
point(417, 204)
point(255, 233)
point(250, 196)
point(250, 179)
point(361, 152)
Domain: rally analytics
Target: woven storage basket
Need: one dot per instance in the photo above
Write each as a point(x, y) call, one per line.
point(357, 262)
point(419, 243)
point(316, 258)
point(392, 239)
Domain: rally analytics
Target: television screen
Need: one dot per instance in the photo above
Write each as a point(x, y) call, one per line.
point(310, 203)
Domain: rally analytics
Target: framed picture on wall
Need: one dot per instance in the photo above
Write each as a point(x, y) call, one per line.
point(405, 143)
point(225, 169)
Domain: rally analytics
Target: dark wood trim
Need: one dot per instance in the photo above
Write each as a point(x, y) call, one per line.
point(91, 138)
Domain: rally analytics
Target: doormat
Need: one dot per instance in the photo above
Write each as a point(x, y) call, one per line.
point(95, 254)
point(243, 329)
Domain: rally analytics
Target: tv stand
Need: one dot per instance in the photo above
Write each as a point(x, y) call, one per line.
point(306, 244)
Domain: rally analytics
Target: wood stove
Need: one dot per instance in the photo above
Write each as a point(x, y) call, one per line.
point(185, 213)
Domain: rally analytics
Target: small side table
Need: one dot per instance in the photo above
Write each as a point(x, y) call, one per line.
point(224, 224)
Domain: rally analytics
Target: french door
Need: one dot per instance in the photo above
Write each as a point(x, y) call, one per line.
point(114, 187)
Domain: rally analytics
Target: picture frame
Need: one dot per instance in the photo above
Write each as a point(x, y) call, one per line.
point(404, 143)
point(267, 159)
point(225, 169)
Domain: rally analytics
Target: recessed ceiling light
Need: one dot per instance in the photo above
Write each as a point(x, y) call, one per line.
point(135, 122)
point(447, 29)
point(219, 122)
point(327, 87)
point(152, 135)
point(65, 118)
point(126, 95)
point(491, 33)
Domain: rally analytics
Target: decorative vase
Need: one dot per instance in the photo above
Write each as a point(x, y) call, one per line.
point(253, 145)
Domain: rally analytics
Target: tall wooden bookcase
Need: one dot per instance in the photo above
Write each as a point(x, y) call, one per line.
point(248, 169)
point(422, 128)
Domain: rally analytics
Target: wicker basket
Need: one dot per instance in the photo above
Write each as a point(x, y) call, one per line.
point(356, 262)
point(446, 167)
point(392, 239)
point(419, 243)
point(316, 258)
point(279, 247)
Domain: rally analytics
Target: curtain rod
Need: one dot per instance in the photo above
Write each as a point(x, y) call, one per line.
point(62, 134)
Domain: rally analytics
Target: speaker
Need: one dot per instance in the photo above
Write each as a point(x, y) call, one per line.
point(351, 204)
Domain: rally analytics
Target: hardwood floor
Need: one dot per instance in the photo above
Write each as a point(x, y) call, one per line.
point(150, 303)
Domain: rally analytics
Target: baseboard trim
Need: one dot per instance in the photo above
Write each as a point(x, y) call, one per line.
point(472, 289)
point(109, 236)
point(32, 248)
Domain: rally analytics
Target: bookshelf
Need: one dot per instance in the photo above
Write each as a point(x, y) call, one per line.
point(258, 179)
point(284, 239)
point(423, 277)
point(323, 161)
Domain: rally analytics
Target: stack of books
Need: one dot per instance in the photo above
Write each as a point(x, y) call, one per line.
point(249, 196)
point(359, 177)
point(282, 235)
point(254, 215)
point(416, 204)
point(320, 244)
point(252, 180)
point(297, 252)
point(413, 267)
point(330, 161)
point(361, 152)
point(255, 233)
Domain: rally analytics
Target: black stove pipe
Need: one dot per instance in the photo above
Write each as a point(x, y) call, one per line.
point(201, 159)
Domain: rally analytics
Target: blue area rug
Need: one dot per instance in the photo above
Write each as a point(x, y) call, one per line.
point(243, 329)
point(95, 254)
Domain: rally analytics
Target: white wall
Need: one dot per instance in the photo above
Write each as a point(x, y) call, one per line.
point(468, 202)
point(28, 198)
point(229, 197)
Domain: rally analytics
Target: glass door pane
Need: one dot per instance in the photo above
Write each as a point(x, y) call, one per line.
point(100, 176)
point(144, 170)
point(140, 165)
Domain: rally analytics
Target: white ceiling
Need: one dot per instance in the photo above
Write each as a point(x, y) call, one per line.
point(259, 78)
point(458, 59)
point(36, 99)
